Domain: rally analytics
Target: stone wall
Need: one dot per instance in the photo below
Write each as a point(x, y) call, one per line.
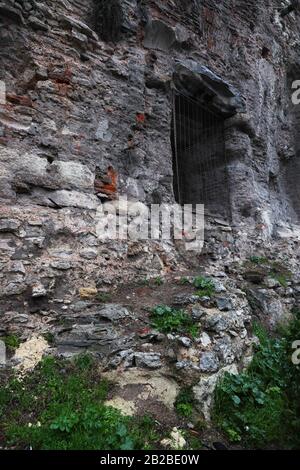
point(88, 117)
point(77, 102)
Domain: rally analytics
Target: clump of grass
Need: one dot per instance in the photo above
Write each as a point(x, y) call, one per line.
point(260, 406)
point(170, 320)
point(103, 297)
point(49, 337)
point(184, 403)
point(258, 259)
point(184, 281)
point(12, 342)
point(282, 278)
point(204, 285)
point(280, 273)
point(60, 406)
point(158, 281)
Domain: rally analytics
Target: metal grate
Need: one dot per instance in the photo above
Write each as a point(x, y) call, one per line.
point(199, 163)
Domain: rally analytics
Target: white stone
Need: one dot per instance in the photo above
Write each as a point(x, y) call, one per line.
point(38, 290)
point(205, 340)
point(204, 390)
point(176, 440)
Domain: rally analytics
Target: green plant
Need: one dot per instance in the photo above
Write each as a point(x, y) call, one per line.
point(158, 281)
point(280, 273)
point(170, 320)
point(60, 406)
point(204, 285)
point(261, 405)
point(49, 337)
point(258, 260)
point(103, 297)
point(185, 409)
point(184, 403)
point(194, 443)
point(12, 342)
point(184, 281)
point(282, 278)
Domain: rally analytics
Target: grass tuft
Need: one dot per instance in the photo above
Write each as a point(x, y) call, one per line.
point(170, 320)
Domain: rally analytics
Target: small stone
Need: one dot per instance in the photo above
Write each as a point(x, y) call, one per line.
point(103, 132)
point(14, 288)
point(204, 390)
point(81, 38)
point(15, 317)
point(205, 340)
point(61, 265)
point(88, 253)
point(37, 24)
point(185, 299)
point(123, 357)
point(2, 354)
point(209, 362)
point(149, 360)
point(197, 313)
point(176, 440)
point(170, 337)
point(27, 6)
point(182, 365)
point(30, 353)
point(113, 312)
point(9, 225)
point(171, 355)
point(17, 267)
point(218, 323)
point(41, 72)
point(64, 198)
point(153, 335)
point(81, 305)
point(186, 342)
point(219, 287)
point(206, 301)
point(271, 282)
point(38, 290)
point(224, 303)
point(87, 292)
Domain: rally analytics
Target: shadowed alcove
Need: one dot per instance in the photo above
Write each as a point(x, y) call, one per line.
point(201, 103)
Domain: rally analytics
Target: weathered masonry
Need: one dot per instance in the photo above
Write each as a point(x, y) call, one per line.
point(89, 95)
point(159, 100)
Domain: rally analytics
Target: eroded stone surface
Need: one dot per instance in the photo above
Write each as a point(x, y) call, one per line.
point(30, 353)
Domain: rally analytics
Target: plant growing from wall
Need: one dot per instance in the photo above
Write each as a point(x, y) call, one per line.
point(184, 403)
point(170, 320)
point(204, 285)
point(260, 406)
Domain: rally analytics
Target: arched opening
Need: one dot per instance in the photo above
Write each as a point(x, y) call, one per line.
point(199, 160)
